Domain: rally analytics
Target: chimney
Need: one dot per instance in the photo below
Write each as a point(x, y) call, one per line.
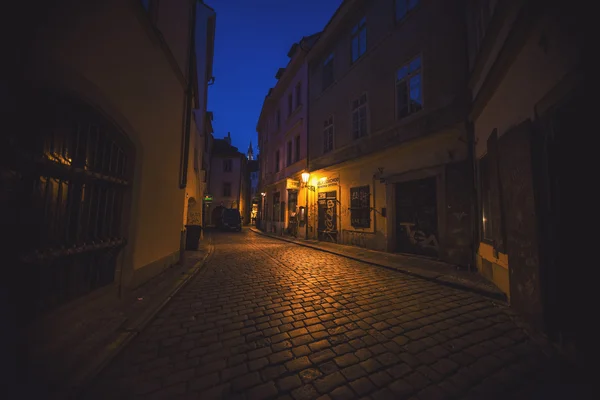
point(228, 138)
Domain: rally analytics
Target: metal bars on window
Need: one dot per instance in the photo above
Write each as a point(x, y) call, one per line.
point(68, 174)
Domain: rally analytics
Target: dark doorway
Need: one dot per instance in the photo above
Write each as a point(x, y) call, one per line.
point(562, 291)
point(416, 217)
point(327, 216)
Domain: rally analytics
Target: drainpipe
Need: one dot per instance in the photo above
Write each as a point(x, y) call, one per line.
point(306, 130)
point(188, 100)
point(472, 159)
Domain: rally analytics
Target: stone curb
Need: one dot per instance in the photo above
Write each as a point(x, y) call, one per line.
point(441, 279)
point(82, 382)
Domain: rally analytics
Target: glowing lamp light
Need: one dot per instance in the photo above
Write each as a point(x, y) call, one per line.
point(263, 194)
point(305, 177)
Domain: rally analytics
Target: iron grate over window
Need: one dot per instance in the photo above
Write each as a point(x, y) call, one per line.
point(67, 179)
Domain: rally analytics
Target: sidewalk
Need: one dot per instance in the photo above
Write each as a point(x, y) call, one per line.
point(72, 344)
point(437, 271)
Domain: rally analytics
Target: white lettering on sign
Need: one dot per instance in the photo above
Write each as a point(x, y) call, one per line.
point(328, 183)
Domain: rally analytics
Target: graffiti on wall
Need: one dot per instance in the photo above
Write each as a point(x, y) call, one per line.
point(327, 216)
point(419, 238)
point(357, 239)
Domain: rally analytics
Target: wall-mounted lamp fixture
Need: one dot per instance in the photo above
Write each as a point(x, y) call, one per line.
point(305, 179)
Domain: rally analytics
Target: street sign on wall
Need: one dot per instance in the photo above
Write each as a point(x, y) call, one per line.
point(208, 198)
point(292, 184)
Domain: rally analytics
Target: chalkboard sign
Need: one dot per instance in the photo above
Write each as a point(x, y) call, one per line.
point(360, 207)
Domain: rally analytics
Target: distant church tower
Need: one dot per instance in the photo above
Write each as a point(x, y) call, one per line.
point(250, 152)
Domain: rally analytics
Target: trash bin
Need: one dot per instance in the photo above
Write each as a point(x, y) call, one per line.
point(192, 237)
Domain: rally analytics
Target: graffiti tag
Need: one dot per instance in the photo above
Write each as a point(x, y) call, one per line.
point(419, 238)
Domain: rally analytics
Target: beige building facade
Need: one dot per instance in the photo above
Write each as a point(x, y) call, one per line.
point(387, 135)
point(282, 135)
point(109, 81)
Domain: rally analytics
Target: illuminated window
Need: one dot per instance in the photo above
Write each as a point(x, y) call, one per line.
point(409, 96)
point(359, 39)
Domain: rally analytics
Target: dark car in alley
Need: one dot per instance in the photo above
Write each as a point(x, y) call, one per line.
point(231, 220)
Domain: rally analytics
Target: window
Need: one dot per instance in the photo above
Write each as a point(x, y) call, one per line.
point(227, 165)
point(404, 7)
point(328, 135)
point(359, 117)
point(409, 96)
point(359, 39)
point(360, 207)
point(277, 161)
point(289, 153)
point(297, 158)
point(486, 209)
point(328, 71)
point(290, 105)
point(278, 119)
point(226, 189)
point(298, 95)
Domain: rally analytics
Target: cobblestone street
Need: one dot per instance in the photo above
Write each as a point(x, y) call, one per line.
point(269, 319)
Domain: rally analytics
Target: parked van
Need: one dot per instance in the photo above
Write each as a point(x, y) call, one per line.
point(231, 220)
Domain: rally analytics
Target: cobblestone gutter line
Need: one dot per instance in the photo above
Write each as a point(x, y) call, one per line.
point(446, 280)
point(131, 330)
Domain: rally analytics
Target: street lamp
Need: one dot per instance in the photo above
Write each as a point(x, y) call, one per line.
point(305, 178)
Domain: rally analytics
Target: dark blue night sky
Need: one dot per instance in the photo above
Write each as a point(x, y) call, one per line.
point(251, 43)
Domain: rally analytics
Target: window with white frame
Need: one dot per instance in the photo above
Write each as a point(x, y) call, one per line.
point(360, 207)
point(409, 93)
point(328, 135)
point(359, 117)
point(404, 7)
point(359, 39)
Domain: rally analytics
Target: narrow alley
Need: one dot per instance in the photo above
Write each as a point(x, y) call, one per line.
point(269, 319)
